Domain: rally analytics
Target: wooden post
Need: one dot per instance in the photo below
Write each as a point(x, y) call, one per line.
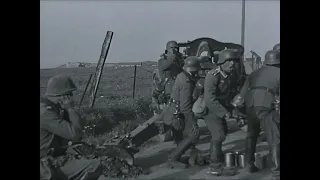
point(134, 80)
point(104, 52)
point(85, 90)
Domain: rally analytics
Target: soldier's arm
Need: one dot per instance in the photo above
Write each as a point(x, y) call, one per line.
point(186, 101)
point(210, 95)
point(71, 130)
point(164, 64)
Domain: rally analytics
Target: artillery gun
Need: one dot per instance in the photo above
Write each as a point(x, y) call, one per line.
point(154, 126)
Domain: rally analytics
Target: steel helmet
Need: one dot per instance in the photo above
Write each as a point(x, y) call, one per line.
point(191, 64)
point(172, 44)
point(276, 47)
point(206, 62)
point(60, 85)
point(226, 55)
point(272, 57)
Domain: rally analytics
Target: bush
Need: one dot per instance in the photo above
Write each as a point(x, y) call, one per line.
point(119, 116)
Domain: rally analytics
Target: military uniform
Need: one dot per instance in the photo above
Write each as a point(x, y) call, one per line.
point(169, 67)
point(260, 92)
point(57, 128)
point(182, 95)
point(217, 88)
point(218, 94)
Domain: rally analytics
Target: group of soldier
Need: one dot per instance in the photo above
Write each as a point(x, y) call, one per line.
point(184, 81)
point(212, 89)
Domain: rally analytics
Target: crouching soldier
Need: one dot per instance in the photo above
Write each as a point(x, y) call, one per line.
point(184, 122)
point(59, 124)
point(217, 88)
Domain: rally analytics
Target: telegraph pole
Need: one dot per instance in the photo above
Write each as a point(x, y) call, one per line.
point(243, 22)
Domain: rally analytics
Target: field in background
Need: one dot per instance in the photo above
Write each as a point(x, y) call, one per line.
point(115, 111)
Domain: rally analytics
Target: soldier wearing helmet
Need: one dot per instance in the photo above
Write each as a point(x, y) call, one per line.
point(59, 123)
point(184, 122)
point(260, 92)
point(170, 65)
point(276, 47)
point(217, 87)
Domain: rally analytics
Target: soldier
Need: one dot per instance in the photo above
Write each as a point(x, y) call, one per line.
point(260, 93)
point(217, 88)
point(276, 47)
point(182, 96)
point(60, 123)
point(170, 65)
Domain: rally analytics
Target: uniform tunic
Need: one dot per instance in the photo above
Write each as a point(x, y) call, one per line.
point(56, 129)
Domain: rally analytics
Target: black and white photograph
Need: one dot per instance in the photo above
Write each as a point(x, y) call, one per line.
point(160, 89)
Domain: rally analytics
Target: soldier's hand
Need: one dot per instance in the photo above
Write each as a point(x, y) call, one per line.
point(195, 129)
point(227, 116)
point(66, 103)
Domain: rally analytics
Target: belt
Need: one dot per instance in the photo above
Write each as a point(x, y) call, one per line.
point(262, 88)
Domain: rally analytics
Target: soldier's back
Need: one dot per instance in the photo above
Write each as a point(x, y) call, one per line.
point(264, 83)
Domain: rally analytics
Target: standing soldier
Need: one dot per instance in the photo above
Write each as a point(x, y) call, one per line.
point(217, 88)
point(261, 92)
point(60, 123)
point(169, 66)
point(184, 122)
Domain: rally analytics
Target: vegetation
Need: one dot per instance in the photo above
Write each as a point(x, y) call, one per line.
point(115, 111)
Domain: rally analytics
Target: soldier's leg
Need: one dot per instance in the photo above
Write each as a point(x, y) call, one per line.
point(217, 130)
point(271, 124)
point(82, 169)
point(188, 141)
point(251, 139)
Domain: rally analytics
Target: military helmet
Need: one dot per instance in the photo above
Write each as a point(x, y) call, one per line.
point(276, 47)
point(60, 85)
point(206, 62)
point(272, 57)
point(172, 44)
point(227, 55)
point(191, 64)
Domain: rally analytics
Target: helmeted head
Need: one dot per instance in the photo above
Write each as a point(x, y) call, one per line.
point(60, 86)
point(276, 47)
point(172, 47)
point(272, 57)
point(206, 65)
point(191, 65)
point(227, 59)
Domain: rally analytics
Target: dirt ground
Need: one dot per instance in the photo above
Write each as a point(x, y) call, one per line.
point(154, 159)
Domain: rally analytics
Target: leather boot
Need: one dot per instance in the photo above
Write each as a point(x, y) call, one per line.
point(215, 158)
point(176, 154)
point(250, 159)
point(276, 160)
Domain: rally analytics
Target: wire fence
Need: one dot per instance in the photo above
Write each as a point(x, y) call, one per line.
point(115, 80)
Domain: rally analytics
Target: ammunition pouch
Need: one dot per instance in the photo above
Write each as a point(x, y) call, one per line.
point(178, 122)
point(163, 98)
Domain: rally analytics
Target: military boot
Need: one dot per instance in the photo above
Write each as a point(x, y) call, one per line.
point(250, 150)
point(216, 158)
point(176, 154)
point(276, 160)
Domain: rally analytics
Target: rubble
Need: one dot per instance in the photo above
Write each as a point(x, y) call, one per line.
point(113, 160)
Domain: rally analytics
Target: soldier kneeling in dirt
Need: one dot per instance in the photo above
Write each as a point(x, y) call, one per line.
point(60, 123)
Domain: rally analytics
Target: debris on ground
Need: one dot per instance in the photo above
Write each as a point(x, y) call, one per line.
point(113, 159)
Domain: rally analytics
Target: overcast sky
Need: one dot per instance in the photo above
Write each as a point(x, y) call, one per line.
point(73, 31)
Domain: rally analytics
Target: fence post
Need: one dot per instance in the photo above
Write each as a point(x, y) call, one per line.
point(134, 80)
point(85, 90)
